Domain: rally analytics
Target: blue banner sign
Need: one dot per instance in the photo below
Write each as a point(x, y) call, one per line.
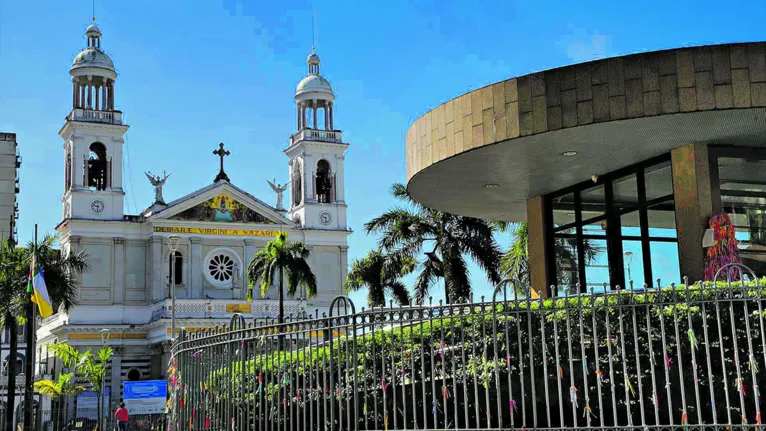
point(145, 397)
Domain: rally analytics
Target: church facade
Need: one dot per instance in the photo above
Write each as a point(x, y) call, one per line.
point(198, 245)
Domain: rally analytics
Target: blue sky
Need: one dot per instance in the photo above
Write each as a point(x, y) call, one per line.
point(194, 73)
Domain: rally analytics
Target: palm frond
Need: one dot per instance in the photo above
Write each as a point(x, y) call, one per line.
point(456, 282)
point(427, 276)
point(399, 292)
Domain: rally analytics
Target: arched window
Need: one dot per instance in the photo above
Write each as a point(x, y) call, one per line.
point(97, 168)
point(324, 182)
point(176, 270)
point(296, 183)
point(134, 375)
point(19, 362)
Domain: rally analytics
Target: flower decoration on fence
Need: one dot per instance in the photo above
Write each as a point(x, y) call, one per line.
point(724, 250)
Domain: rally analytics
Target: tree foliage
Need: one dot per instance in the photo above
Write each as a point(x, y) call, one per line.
point(443, 240)
point(280, 260)
point(381, 275)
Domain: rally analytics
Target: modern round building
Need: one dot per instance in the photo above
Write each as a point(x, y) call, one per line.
point(616, 165)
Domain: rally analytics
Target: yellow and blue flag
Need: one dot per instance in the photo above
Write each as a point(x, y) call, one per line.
point(39, 291)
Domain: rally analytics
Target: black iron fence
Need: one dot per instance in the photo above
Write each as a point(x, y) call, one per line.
point(87, 420)
point(679, 356)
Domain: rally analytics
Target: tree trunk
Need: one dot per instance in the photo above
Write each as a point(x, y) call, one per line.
point(10, 323)
point(57, 418)
point(281, 315)
point(98, 410)
point(29, 398)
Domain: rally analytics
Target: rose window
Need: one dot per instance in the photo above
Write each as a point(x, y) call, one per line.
point(221, 267)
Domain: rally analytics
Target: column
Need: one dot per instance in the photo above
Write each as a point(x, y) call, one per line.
point(103, 95)
point(314, 106)
point(326, 118)
point(339, 179)
point(343, 268)
point(116, 382)
point(75, 246)
point(195, 268)
point(111, 95)
point(332, 125)
point(82, 96)
point(74, 93)
point(250, 250)
point(158, 285)
point(107, 104)
point(118, 285)
point(96, 90)
point(694, 206)
point(299, 116)
point(303, 116)
point(90, 91)
point(538, 256)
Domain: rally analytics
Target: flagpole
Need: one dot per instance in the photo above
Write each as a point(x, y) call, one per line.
point(30, 367)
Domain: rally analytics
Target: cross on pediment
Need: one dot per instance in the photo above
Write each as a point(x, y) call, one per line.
point(221, 153)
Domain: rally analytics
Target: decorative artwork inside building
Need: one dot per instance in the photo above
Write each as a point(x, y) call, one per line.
point(224, 209)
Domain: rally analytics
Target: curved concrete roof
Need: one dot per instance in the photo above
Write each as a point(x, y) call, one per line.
point(613, 112)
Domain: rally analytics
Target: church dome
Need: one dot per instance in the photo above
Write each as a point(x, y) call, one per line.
point(93, 31)
point(92, 58)
point(313, 84)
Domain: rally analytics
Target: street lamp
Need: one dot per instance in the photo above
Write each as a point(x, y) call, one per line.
point(629, 259)
point(104, 339)
point(172, 243)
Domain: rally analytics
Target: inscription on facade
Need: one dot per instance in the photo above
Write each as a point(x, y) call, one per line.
point(215, 231)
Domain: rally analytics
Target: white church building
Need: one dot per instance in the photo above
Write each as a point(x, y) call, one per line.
point(198, 245)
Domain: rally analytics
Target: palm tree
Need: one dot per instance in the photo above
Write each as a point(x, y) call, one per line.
point(12, 289)
point(380, 274)
point(70, 358)
point(448, 238)
point(65, 387)
point(61, 278)
point(280, 258)
point(93, 368)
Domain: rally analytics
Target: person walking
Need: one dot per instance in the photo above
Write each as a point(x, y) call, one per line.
point(122, 418)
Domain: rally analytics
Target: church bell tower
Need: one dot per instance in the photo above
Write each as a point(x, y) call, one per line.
point(316, 154)
point(93, 137)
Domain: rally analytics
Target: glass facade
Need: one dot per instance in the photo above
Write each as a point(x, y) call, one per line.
point(738, 177)
point(618, 229)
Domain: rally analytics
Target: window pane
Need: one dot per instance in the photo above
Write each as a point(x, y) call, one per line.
point(596, 265)
point(625, 192)
point(633, 262)
point(630, 224)
point(566, 263)
point(596, 227)
point(662, 220)
point(593, 202)
point(743, 197)
point(658, 180)
point(563, 210)
point(665, 263)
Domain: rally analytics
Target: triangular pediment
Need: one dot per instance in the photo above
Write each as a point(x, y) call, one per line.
point(221, 202)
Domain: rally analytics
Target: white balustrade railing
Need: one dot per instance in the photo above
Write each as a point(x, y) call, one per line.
point(92, 115)
point(223, 308)
point(317, 135)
